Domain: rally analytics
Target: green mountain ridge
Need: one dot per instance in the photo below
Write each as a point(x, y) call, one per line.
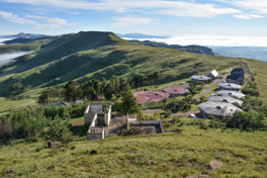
point(97, 55)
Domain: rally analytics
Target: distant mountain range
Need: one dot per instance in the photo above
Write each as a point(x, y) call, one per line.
point(138, 36)
point(259, 53)
point(24, 35)
point(190, 48)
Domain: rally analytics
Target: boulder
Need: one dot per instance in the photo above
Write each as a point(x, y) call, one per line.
point(215, 165)
point(198, 176)
point(93, 152)
point(50, 144)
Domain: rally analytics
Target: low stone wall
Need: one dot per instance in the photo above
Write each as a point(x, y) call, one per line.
point(96, 133)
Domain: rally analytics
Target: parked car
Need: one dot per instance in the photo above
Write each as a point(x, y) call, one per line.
point(223, 82)
point(192, 116)
point(221, 77)
point(212, 95)
point(182, 83)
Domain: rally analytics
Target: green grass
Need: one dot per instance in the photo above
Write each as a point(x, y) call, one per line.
point(15, 104)
point(84, 56)
point(259, 68)
point(169, 155)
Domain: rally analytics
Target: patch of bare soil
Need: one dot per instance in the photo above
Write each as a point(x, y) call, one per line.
point(150, 112)
point(185, 114)
point(78, 123)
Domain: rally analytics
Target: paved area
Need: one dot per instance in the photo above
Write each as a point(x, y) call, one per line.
point(117, 122)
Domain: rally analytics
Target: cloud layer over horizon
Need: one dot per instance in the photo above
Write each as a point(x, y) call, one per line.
point(224, 41)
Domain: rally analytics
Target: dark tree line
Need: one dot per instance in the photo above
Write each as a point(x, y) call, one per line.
point(85, 91)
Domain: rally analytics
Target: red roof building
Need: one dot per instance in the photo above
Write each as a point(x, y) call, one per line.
point(175, 91)
point(148, 96)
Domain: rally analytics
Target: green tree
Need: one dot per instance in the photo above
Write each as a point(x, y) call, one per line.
point(73, 91)
point(43, 98)
point(93, 94)
point(128, 103)
point(108, 91)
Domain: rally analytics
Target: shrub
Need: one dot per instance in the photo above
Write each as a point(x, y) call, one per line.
point(167, 113)
point(5, 129)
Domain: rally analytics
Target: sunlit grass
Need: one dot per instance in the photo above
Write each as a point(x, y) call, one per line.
point(243, 155)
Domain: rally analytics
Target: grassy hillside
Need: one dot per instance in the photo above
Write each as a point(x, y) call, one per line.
point(94, 55)
point(243, 154)
point(33, 46)
point(88, 55)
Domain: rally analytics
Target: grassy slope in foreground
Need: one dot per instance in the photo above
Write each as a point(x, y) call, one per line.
point(169, 155)
point(104, 59)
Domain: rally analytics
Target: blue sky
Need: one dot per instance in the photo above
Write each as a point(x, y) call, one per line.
point(155, 17)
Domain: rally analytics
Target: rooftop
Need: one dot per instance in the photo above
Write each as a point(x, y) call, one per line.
point(229, 86)
point(150, 96)
point(200, 77)
point(219, 108)
point(214, 73)
point(175, 90)
point(237, 70)
point(226, 99)
point(236, 76)
point(230, 93)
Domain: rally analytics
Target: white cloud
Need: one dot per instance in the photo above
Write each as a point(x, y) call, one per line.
point(75, 13)
point(132, 21)
point(177, 8)
point(185, 9)
point(49, 22)
point(53, 23)
point(214, 40)
point(256, 6)
point(247, 16)
point(15, 19)
point(35, 17)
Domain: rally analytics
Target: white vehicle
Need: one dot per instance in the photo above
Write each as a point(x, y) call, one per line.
point(223, 82)
point(182, 83)
point(192, 116)
point(212, 95)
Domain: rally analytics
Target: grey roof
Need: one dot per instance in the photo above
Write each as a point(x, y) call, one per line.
point(230, 93)
point(226, 99)
point(77, 101)
point(200, 77)
point(219, 108)
point(229, 86)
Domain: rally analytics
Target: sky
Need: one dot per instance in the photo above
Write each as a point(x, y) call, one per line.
point(180, 19)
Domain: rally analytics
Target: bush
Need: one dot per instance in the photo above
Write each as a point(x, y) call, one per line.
point(66, 138)
point(249, 121)
point(57, 128)
point(5, 129)
point(167, 113)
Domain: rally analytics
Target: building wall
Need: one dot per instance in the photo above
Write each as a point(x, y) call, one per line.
point(88, 117)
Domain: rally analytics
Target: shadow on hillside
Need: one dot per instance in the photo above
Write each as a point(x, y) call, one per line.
point(79, 130)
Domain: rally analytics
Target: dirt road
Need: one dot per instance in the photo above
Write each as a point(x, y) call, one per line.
point(207, 88)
